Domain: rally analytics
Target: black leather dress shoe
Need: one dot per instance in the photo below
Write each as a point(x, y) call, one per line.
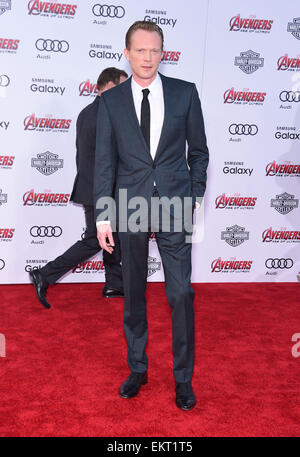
point(41, 286)
point(185, 398)
point(112, 293)
point(130, 388)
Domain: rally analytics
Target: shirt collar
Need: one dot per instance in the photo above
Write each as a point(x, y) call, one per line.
point(153, 87)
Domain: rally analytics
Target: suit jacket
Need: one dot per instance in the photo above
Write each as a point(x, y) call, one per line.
point(85, 154)
point(123, 159)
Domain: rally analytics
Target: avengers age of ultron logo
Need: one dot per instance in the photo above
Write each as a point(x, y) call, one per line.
point(7, 162)
point(46, 198)
point(46, 124)
point(51, 9)
point(9, 45)
point(280, 236)
point(170, 57)
point(236, 202)
point(288, 63)
point(250, 24)
point(231, 266)
point(90, 267)
point(244, 97)
point(6, 234)
point(286, 169)
point(88, 89)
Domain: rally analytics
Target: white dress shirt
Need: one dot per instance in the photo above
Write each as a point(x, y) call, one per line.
point(157, 109)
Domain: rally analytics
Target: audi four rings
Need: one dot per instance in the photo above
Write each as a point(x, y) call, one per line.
point(44, 231)
point(279, 263)
point(290, 96)
point(108, 11)
point(2, 264)
point(243, 129)
point(4, 80)
point(43, 44)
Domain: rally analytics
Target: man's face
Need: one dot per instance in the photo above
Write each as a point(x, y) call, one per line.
point(144, 54)
point(110, 84)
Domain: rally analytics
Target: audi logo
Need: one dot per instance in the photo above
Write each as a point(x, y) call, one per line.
point(279, 263)
point(44, 231)
point(243, 129)
point(51, 45)
point(4, 80)
point(2, 264)
point(290, 96)
point(108, 11)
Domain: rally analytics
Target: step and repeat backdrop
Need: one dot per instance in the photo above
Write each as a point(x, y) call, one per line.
point(244, 58)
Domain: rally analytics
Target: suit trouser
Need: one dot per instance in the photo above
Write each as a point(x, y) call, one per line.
point(83, 250)
point(176, 258)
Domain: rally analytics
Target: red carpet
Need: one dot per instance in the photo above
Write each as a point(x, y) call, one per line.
point(63, 366)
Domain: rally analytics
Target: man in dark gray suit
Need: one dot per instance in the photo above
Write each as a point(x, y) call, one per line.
point(143, 127)
point(83, 193)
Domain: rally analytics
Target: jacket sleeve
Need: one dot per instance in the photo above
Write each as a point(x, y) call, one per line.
point(105, 160)
point(77, 143)
point(197, 156)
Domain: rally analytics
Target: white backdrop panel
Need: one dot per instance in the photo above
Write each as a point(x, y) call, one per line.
point(203, 42)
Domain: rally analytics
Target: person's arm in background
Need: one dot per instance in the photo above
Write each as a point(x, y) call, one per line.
point(77, 143)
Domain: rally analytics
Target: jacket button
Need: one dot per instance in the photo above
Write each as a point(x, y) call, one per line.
point(154, 166)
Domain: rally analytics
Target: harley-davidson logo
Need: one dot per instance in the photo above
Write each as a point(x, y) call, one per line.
point(235, 235)
point(249, 61)
point(294, 27)
point(47, 163)
point(153, 265)
point(3, 198)
point(284, 203)
point(5, 5)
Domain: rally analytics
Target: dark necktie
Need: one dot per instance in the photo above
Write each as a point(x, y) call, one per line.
point(145, 116)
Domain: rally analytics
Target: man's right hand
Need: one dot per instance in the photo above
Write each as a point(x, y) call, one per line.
point(104, 233)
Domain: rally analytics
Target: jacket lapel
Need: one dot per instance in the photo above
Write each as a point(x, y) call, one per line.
point(130, 111)
point(167, 101)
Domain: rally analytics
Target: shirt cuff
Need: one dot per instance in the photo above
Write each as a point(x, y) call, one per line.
point(102, 222)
